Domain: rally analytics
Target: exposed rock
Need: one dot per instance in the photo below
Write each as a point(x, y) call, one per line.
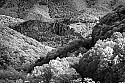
point(33, 29)
point(100, 62)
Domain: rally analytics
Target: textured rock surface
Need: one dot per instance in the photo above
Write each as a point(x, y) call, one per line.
point(84, 24)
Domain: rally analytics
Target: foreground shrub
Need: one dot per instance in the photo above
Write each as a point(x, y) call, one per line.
point(57, 71)
point(105, 61)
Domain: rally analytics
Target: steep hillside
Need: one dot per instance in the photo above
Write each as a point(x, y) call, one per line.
point(62, 41)
point(39, 12)
point(18, 45)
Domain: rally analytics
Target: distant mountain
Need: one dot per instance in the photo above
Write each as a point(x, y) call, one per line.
point(56, 8)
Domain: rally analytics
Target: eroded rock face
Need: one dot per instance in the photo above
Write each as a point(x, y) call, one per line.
point(18, 50)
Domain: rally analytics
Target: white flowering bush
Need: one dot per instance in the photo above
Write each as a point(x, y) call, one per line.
point(107, 49)
point(111, 55)
point(109, 52)
point(58, 66)
point(57, 71)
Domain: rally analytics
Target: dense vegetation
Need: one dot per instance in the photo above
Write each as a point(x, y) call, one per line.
point(35, 51)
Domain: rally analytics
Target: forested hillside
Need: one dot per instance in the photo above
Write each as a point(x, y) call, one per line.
point(62, 41)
